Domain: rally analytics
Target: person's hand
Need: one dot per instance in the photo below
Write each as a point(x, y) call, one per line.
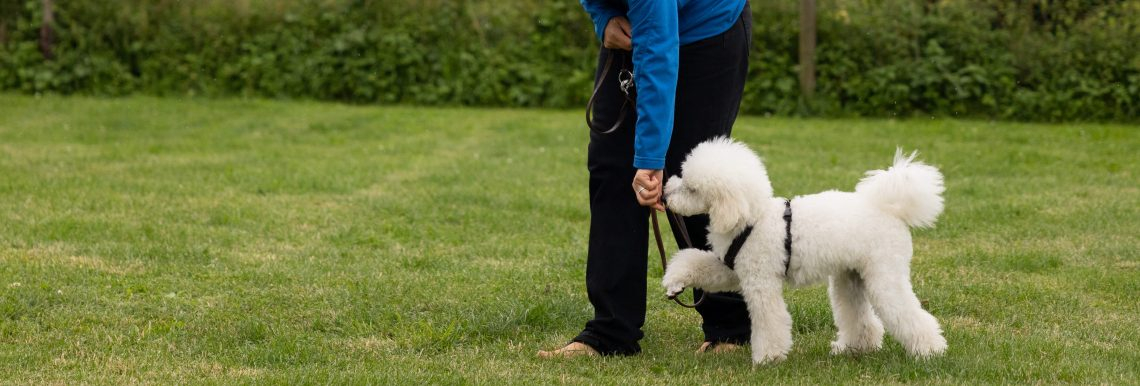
point(617, 34)
point(647, 185)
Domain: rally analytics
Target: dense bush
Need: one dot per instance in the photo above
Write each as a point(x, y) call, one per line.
point(1036, 60)
point(423, 52)
point(1026, 59)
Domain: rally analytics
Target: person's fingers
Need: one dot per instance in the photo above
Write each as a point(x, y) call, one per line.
point(625, 38)
point(640, 183)
point(617, 41)
point(645, 196)
point(641, 191)
point(647, 179)
point(643, 200)
point(649, 196)
point(624, 25)
point(617, 34)
point(647, 184)
point(624, 43)
point(658, 178)
point(652, 202)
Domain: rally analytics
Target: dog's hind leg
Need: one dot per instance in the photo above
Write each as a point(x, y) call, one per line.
point(859, 329)
point(696, 268)
point(894, 301)
point(771, 322)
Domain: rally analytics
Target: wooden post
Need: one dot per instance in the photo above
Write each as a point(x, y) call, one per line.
point(807, 48)
point(47, 34)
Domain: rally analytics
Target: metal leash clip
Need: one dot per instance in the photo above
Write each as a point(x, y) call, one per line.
point(625, 79)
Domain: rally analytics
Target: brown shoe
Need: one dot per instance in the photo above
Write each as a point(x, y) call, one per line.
point(718, 347)
point(574, 349)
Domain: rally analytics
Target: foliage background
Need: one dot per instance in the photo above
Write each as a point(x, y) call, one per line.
point(1041, 60)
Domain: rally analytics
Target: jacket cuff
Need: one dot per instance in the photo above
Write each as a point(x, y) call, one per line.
point(649, 163)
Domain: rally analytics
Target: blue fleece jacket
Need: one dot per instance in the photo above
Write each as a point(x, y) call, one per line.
point(660, 27)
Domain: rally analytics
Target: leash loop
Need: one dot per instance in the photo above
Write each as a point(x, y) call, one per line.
point(626, 86)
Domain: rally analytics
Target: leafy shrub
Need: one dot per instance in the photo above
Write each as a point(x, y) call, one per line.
point(1025, 59)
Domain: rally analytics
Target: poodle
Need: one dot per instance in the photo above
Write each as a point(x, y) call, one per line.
point(860, 242)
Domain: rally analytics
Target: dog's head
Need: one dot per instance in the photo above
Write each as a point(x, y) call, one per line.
point(723, 178)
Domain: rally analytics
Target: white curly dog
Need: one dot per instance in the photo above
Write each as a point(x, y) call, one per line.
point(859, 241)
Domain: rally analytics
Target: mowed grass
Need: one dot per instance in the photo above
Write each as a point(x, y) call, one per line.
point(234, 241)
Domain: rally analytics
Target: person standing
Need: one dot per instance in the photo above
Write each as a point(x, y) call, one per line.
point(689, 61)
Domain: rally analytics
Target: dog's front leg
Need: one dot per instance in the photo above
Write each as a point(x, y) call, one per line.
point(695, 268)
point(771, 322)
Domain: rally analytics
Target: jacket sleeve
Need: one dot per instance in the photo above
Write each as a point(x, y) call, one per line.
point(656, 46)
point(601, 11)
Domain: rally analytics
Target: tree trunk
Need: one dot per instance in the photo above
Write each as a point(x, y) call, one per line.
point(47, 33)
point(807, 48)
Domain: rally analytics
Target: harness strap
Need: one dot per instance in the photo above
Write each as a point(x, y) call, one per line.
point(738, 241)
point(787, 235)
point(734, 249)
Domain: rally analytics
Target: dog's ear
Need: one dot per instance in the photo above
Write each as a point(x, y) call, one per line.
point(727, 212)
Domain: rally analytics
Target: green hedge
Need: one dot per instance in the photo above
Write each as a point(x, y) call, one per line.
point(1028, 60)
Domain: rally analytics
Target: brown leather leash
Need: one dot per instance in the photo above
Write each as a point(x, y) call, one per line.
point(625, 84)
point(661, 249)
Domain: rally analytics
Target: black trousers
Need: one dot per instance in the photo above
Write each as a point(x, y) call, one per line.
point(711, 80)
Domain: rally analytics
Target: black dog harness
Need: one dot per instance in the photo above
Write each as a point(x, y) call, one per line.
point(738, 242)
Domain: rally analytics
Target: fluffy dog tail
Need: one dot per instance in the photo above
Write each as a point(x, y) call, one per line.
point(909, 190)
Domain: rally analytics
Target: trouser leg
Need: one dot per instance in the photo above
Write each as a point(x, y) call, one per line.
point(616, 260)
point(709, 89)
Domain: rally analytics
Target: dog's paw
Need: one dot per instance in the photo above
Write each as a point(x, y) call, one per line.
point(928, 348)
point(672, 283)
point(840, 348)
point(767, 358)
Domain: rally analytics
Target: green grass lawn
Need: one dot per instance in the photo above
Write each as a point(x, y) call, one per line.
point(186, 241)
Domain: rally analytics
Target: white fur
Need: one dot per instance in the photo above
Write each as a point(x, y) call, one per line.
point(860, 242)
point(909, 190)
